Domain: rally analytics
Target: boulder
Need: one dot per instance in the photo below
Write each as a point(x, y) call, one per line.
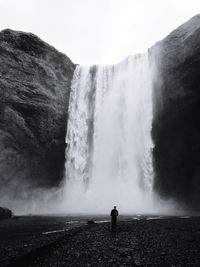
point(90, 222)
point(5, 213)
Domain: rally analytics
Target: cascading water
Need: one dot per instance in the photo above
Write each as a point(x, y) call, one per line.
point(108, 155)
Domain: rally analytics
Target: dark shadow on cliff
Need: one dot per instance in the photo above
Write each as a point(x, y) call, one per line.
point(176, 124)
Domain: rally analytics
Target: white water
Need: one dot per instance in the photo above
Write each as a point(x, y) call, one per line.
point(108, 155)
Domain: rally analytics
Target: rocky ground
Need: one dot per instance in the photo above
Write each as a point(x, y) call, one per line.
point(139, 242)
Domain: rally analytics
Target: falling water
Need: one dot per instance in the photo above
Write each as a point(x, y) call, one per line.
point(108, 155)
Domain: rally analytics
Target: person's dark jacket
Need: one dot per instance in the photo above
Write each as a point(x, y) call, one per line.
point(114, 213)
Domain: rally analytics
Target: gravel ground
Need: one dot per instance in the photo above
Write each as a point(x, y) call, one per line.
point(144, 242)
point(24, 234)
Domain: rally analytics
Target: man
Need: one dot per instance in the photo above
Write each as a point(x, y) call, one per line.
point(114, 213)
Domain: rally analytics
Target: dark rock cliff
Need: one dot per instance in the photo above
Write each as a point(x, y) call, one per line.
point(34, 93)
point(176, 123)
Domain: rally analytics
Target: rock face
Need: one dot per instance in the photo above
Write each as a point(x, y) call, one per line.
point(176, 124)
point(5, 213)
point(34, 93)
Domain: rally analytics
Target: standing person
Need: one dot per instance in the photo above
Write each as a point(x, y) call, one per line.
point(114, 213)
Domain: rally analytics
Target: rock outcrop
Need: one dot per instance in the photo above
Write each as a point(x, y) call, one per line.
point(34, 94)
point(5, 213)
point(176, 123)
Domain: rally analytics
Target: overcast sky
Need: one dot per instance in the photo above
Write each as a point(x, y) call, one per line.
point(97, 31)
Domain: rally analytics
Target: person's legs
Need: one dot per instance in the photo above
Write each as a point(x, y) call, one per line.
point(114, 222)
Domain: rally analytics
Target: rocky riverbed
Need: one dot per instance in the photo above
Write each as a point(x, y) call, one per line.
point(139, 241)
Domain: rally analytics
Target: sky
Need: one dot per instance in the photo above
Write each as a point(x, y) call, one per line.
point(97, 31)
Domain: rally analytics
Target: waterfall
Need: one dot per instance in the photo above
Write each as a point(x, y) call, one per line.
point(108, 154)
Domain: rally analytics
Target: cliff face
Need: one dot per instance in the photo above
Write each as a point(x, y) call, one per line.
point(176, 123)
point(34, 93)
